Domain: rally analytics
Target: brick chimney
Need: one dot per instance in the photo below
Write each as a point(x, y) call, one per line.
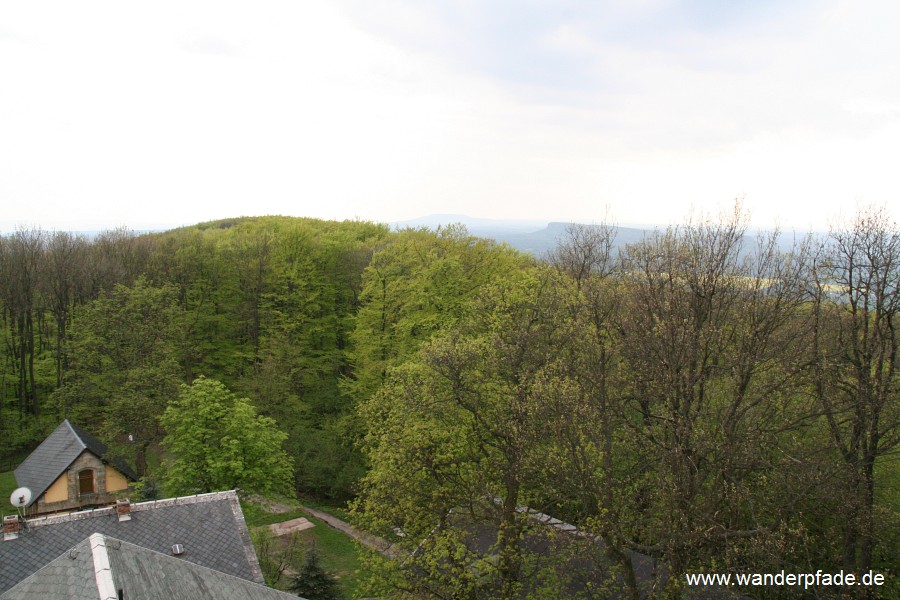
point(10, 527)
point(123, 509)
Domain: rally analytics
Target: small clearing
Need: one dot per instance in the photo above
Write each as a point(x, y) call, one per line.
point(288, 527)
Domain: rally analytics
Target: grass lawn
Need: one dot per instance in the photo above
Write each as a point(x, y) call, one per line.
point(7, 485)
point(340, 554)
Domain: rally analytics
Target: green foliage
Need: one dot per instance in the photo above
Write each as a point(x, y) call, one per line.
point(712, 408)
point(332, 465)
point(313, 582)
point(275, 554)
point(19, 435)
point(145, 489)
point(264, 304)
point(7, 486)
point(124, 365)
point(662, 403)
point(458, 437)
point(218, 442)
point(270, 303)
point(417, 284)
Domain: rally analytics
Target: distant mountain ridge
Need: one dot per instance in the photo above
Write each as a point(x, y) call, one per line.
point(539, 237)
point(541, 241)
point(533, 237)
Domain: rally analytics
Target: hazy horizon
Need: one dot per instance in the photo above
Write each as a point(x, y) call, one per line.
point(473, 223)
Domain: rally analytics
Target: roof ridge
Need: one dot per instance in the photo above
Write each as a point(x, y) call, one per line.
point(168, 557)
point(75, 433)
point(103, 575)
point(136, 507)
point(179, 500)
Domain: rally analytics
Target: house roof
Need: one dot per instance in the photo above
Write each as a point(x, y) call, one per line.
point(561, 554)
point(211, 528)
point(55, 454)
point(103, 567)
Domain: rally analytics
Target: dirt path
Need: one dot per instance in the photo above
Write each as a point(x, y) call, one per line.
point(366, 539)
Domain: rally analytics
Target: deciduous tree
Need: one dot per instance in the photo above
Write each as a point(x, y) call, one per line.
point(711, 356)
point(217, 442)
point(458, 438)
point(857, 353)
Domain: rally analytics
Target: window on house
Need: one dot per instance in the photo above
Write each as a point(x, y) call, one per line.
point(86, 482)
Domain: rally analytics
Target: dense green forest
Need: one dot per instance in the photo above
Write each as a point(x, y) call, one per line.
point(701, 397)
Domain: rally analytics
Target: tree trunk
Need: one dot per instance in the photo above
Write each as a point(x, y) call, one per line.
point(508, 543)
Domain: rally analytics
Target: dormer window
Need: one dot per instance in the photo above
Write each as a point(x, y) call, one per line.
point(86, 482)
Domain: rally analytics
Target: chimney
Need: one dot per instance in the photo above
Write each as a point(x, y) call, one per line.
point(10, 527)
point(123, 509)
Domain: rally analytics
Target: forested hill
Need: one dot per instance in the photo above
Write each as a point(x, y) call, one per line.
point(103, 330)
point(702, 396)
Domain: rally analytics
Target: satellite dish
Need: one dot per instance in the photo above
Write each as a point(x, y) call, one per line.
point(21, 497)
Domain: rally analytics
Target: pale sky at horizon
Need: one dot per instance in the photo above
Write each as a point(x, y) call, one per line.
point(171, 113)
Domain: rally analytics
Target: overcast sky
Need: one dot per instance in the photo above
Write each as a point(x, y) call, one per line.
point(166, 113)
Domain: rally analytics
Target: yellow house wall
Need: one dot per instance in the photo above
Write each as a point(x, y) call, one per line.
point(115, 481)
point(58, 490)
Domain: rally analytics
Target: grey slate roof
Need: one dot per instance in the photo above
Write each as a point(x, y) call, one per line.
point(55, 454)
point(101, 566)
point(65, 577)
point(211, 528)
